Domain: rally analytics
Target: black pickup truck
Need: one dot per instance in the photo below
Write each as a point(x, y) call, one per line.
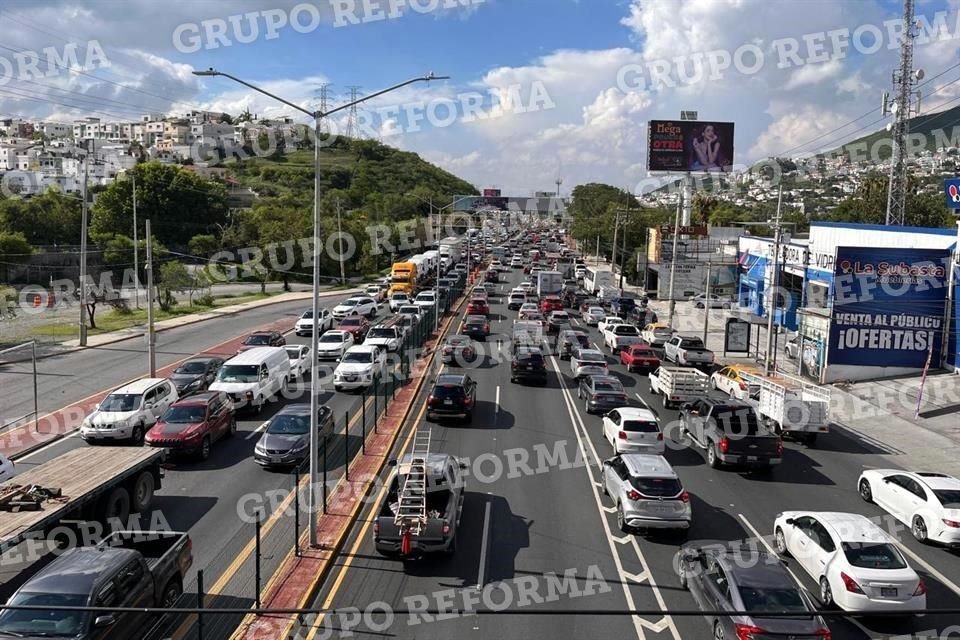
point(729, 432)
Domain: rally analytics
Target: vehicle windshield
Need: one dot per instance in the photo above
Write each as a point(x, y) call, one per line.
point(478, 301)
point(603, 386)
point(293, 353)
point(120, 402)
point(737, 421)
point(448, 391)
point(595, 310)
point(625, 330)
point(192, 367)
point(349, 303)
point(657, 487)
point(530, 357)
point(362, 357)
point(560, 317)
point(640, 426)
point(258, 339)
point(381, 332)
point(662, 332)
point(691, 343)
point(772, 599)
point(949, 498)
point(351, 322)
point(289, 424)
point(873, 555)
point(425, 296)
point(239, 373)
point(400, 296)
point(331, 338)
point(44, 622)
point(592, 358)
point(307, 315)
point(641, 351)
point(185, 414)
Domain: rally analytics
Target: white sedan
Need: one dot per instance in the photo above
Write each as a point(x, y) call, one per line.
point(333, 344)
point(633, 430)
point(593, 316)
point(929, 503)
point(300, 361)
point(609, 321)
point(856, 564)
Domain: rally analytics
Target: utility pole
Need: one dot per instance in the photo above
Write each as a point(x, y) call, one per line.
point(613, 251)
point(83, 254)
point(673, 259)
point(771, 297)
point(151, 336)
point(343, 278)
point(136, 259)
point(706, 306)
point(597, 256)
point(904, 79)
point(623, 249)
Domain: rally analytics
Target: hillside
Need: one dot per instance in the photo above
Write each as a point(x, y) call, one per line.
point(937, 130)
point(359, 167)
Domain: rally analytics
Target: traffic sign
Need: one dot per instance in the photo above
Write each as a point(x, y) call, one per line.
point(951, 188)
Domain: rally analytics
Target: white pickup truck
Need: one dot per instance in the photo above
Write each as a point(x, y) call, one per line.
point(795, 408)
point(619, 336)
point(687, 350)
point(678, 386)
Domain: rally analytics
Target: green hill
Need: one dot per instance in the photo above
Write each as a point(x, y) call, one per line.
point(936, 129)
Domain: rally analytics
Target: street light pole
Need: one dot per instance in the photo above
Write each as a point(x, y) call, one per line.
point(83, 256)
point(136, 261)
point(317, 117)
point(673, 258)
point(772, 292)
point(343, 278)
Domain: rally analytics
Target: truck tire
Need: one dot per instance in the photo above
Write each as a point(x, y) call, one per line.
point(116, 504)
point(712, 458)
point(141, 492)
point(171, 593)
point(666, 403)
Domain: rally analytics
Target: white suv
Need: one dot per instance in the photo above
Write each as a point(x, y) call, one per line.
point(126, 413)
point(358, 367)
point(359, 305)
point(306, 324)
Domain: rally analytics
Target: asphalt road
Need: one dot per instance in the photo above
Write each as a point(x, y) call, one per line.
point(201, 498)
point(538, 523)
point(67, 378)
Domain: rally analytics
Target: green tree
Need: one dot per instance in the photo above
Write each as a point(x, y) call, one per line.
point(204, 245)
point(173, 276)
point(51, 218)
point(14, 250)
point(180, 204)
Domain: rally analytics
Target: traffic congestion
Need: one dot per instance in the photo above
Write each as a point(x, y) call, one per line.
point(685, 482)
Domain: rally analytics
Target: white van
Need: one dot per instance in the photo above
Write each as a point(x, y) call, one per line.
point(254, 377)
point(126, 413)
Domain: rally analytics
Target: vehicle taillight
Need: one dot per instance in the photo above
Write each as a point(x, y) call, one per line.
point(633, 494)
point(467, 400)
point(780, 447)
point(850, 584)
point(823, 634)
point(724, 444)
point(952, 523)
point(921, 588)
point(685, 497)
point(446, 529)
point(376, 528)
point(743, 386)
point(486, 327)
point(748, 631)
point(431, 400)
point(660, 436)
point(622, 435)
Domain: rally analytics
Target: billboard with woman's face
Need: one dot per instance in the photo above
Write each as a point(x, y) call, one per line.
point(694, 146)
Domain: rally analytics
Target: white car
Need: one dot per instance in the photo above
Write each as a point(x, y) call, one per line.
point(358, 305)
point(529, 288)
point(588, 362)
point(633, 430)
point(375, 292)
point(412, 309)
point(387, 337)
point(516, 262)
point(929, 503)
point(609, 321)
point(306, 324)
point(593, 316)
point(128, 412)
point(426, 300)
point(480, 291)
point(333, 344)
point(300, 361)
point(529, 307)
point(7, 468)
point(358, 367)
point(856, 564)
point(397, 300)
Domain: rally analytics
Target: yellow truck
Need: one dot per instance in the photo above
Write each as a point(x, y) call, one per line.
point(403, 278)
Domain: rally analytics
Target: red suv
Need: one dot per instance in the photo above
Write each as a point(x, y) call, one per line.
point(193, 424)
point(478, 307)
point(358, 326)
point(551, 303)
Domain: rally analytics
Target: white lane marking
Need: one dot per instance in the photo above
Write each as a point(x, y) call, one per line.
point(929, 569)
point(257, 430)
point(75, 434)
point(483, 547)
point(596, 346)
point(638, 623)
point(497, 401)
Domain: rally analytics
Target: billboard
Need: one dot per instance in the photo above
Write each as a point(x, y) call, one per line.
point(682, 145)
point(888, 306)
point(951, 188)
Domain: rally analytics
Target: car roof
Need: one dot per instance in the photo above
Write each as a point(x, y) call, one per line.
point(451, 378)
point(361, 348)
point(850, 527)
point(336, 332)
point(647, 465)
point(936, 481)
point(762, 570)
point(256, 355)
point(204, 397)
point(78, 571)
point(637, 413)
point(139, 386)
point(605, 378)
point(296, 409)
point(593, 352)
point(202, 359)
point(262, 332)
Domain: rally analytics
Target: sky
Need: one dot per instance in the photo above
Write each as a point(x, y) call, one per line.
point(539, 90)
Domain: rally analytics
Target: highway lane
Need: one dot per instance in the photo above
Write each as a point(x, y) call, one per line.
point(205, 498)
point(69, 377)
point(728, 505)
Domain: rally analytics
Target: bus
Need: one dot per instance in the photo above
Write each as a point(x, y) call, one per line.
point(595, 277)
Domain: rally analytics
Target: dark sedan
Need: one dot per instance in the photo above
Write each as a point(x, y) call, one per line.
point(458, 350)
point(286, 438)
point(477, 327)
point(602, 393)
point(570, 340)
point(528, 364)
point(195, 375)
point(725, 579)
point(262, 339)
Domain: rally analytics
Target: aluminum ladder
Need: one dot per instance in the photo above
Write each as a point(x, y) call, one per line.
point(411, 513)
